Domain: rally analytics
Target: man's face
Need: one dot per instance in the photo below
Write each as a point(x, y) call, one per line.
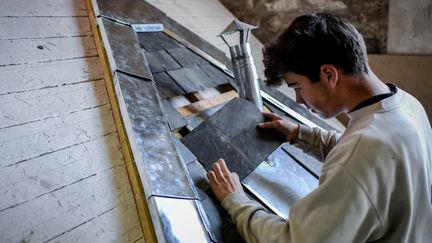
point(317, 97)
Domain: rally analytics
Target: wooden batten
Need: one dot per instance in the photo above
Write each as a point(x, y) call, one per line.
point(137, 188)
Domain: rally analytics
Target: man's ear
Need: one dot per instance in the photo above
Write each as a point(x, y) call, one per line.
point(330, 74)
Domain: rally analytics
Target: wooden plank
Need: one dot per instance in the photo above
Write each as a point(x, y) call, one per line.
point(108, 227)
point(43, 27)
point(45, 8)
point(41, 175)
point(20, 78)
point(135, 180)
point(57, 213)
point(22, 143)
point(27, 50)
point(21, 108)
point(206, 104)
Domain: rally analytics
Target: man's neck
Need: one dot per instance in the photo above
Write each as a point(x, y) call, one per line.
point(358, 88)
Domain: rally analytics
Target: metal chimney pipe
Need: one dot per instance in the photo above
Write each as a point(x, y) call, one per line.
point(245, 74)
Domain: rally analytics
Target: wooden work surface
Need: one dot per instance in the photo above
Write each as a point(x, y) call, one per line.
point(63, 176)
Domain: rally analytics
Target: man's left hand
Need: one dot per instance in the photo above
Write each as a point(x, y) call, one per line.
point(222, 181)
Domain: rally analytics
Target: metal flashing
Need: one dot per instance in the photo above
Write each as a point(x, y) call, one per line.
point(147, 27)
point(161, 167)
point(280, 182)
point(125, 51)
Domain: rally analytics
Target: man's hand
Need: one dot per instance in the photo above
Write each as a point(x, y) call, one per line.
point(222, 181)
point(284, 126)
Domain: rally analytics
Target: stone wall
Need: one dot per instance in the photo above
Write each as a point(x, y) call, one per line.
point(274, 16)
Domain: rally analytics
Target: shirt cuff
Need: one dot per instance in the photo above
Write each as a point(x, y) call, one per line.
point(235, 198)
point(305, 134)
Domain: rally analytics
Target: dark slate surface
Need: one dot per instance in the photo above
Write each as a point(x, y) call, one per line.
point(223, 230)
point(191, 79)
point(127, 54)
point(218, 76)
point(160, 61)
point(166, 85)
point(175, 120)
point(185, 153)
point(232, 133)
point(186, 57)
point(155, 41)
point(142, 12)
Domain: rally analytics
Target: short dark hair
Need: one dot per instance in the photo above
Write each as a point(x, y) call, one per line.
point(309, 42)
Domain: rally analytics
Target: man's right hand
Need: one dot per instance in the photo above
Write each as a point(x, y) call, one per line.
point(284, 126)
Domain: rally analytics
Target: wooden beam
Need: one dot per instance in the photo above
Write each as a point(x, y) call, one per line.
point(203, 105)
point(137, 187)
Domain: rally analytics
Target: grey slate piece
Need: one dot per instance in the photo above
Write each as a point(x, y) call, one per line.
point(218, 218)
point(142, 12)
point(156, 41)
point(187, 155)
point(166, 85)
point(159, 163)
point(191, 79)
point(199, 178)
point(232, 133)
point(160, 61)
point(127, 54)
point(218, 76)
point(175, 120)
point(130, 11)
point(186, 57)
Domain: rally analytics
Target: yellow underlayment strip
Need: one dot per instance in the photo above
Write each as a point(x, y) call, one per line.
point(138, 191)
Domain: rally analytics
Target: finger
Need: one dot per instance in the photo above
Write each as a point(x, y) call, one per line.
point(272, 124)
point(212, 177)
point(224, 167)
point(218, 171)
point(272, 116)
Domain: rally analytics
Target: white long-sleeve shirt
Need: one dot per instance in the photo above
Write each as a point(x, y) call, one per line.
point(375, 183)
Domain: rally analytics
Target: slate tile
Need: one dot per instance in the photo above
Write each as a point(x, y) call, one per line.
point(130, 11)
point(231, 133)
point(127, 54)
point(217, 75)
point(186, 57)
point(219, 219)
point(199, 178)
point(160, 61)
point(187, 155)
point(175, 120)
point(167, 85)
point(191, 79)
point(155, 41)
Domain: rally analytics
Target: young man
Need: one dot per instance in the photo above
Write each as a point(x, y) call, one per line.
point(375, 183)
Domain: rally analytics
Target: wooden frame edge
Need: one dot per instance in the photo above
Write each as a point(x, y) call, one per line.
point(134, 179)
